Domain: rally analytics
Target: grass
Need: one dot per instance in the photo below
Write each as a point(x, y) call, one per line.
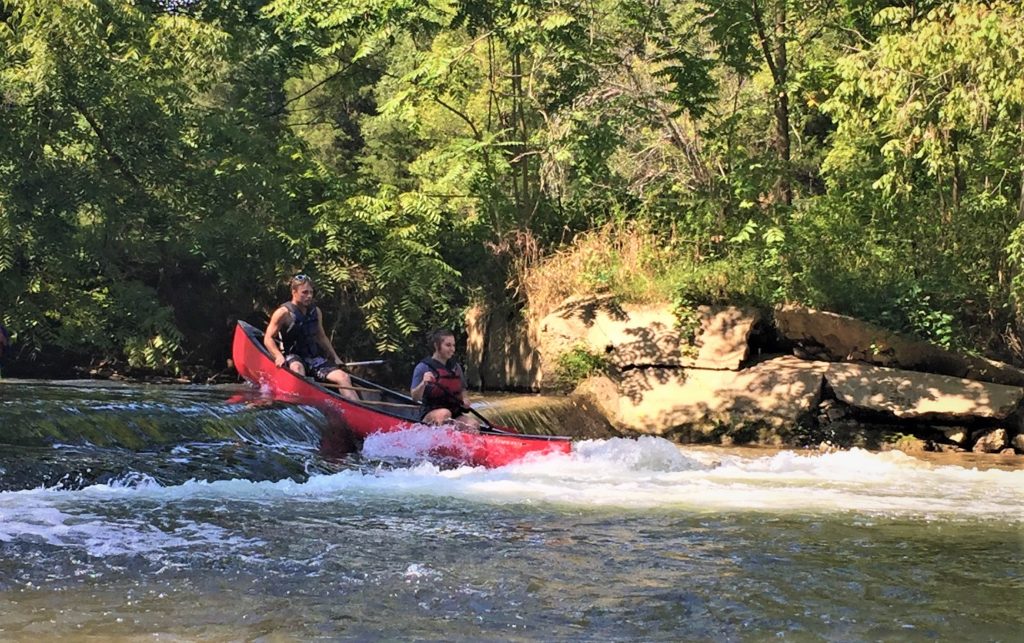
point(636, 266)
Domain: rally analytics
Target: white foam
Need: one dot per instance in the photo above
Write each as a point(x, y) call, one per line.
point(649, 474)
point(415, 443)
point(102, 536)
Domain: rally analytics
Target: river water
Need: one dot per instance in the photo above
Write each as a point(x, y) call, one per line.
point(207, 513)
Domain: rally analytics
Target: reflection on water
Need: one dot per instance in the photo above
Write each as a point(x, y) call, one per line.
point(226, 524)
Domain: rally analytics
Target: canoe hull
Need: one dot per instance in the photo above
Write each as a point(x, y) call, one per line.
point(382, 410)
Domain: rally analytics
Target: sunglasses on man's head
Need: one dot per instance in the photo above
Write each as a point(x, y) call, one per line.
point(299, 280)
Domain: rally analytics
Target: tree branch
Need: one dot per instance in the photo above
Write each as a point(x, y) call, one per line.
point(476, 132)
point(118, 160)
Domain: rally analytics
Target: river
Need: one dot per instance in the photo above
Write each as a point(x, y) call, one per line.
point(190, 513)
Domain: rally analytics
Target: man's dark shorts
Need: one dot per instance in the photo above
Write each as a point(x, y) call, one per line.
point(318, 367)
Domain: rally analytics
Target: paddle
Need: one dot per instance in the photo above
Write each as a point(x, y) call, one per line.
point(369, 362)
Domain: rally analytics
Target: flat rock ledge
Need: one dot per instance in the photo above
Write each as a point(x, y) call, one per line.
point(756, 404)
point(821, 380)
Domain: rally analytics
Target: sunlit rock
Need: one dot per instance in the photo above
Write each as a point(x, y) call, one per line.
point(775, 394)
point(908, 394)
point(955, 434)
point(639, 335)
point(829, 336)
point(990, 441)
point(690, 378)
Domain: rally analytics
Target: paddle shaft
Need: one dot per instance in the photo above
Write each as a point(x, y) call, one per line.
point(451, 396)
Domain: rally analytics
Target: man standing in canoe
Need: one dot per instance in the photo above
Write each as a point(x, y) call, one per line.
point(440, 383)
point(304, 347)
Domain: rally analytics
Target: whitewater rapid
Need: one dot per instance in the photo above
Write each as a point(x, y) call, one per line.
point(623, 475)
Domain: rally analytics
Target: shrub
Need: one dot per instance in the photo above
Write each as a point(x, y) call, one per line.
point(576, 365)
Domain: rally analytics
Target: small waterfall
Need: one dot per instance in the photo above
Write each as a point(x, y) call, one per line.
point(77, 433)
point(73, 434)
point(137, 418)
point(546, 415)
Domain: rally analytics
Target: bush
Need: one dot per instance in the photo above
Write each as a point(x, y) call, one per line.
point(576, 365)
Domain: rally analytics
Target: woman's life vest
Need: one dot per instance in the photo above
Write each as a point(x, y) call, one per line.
point(446, 391)
point(300, 338)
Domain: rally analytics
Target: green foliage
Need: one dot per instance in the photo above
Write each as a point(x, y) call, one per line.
point(927, 146)
point(576, 365)
point(685, 309)
point(394, 268)
point(165, 166)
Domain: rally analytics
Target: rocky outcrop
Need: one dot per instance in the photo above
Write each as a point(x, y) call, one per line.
point(907, 394)
point(822, 335)
point(635, 335)
point(756, 404)
point(506, 351)
point(847, 383)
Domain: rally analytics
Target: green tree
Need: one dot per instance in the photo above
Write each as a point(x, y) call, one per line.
point(927, 153)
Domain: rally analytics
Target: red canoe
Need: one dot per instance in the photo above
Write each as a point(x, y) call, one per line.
point(383, 410)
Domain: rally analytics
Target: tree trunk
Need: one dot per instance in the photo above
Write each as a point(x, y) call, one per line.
point(782, 142)
point(773, 48)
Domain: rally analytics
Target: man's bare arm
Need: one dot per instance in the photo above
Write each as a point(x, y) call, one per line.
point(277, 320)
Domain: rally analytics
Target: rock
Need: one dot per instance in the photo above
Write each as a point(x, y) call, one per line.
point(694, 381)
point(1018, 442)
point(955, 434)
point(723, 338)
point(836, 413)
point(832, 337)
point(908, 394)
point(636, 335)
point(776, 393)
point(989, 441)
point(603, 393)
point(906, 444)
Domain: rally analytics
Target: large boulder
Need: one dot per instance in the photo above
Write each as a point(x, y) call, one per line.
point(828, 336)
point(772, 396)
point(912, 395)
point(641, 335)
point(990, 441)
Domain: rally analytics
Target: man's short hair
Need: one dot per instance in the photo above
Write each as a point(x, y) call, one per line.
point(298, 280)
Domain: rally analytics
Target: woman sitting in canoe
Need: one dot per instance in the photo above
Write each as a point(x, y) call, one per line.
point(440, 384)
